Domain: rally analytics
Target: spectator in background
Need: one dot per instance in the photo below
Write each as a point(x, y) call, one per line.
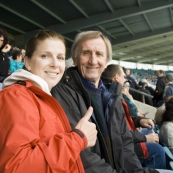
point(160, 111)
point(142, 85)
point(168, 91)
point(4, 60)
point(133, 110)
point(23, 53)
point(16, 61)
point(160, 86)
point(35, 134)
point(150, 87)
point(133, 83)
point(166, 130)
point(146, 148)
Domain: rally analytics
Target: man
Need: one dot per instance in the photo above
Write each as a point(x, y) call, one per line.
point(81, 87)
point(148, 151)
point(133, 83)
point(160, 86)
point(168, 91)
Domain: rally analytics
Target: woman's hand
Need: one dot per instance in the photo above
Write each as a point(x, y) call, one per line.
point(88, 128)
point(6, 48)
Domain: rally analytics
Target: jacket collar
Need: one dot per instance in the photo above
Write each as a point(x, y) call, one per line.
point(72, 77)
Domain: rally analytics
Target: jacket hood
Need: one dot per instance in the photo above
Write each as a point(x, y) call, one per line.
point(23, 75)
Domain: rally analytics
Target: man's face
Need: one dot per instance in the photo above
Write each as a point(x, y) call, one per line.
point(128, 72)
point(159, 74)
point(92, 59)
point(120, 78)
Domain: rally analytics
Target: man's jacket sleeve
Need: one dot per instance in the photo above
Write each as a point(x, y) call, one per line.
point(138, 136)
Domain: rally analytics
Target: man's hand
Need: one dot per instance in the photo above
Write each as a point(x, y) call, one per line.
point(152, 137)
point(148, 123)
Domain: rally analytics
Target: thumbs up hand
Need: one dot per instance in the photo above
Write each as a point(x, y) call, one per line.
point(88, 128)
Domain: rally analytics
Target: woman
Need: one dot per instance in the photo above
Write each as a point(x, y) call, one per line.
point(133, 110)
point(4, 60)
point(166, 129)
point(16, 61)
point(34, 130)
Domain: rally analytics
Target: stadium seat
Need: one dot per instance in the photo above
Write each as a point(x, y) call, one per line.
point(169, 156)
point(171, 165)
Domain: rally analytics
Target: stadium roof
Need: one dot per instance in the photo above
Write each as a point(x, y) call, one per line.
point(140, 30)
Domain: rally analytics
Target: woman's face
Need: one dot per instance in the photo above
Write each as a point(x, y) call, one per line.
point(1, 41)
point(48, 61)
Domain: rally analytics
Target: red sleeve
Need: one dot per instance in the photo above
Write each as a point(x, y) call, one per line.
point(20, 147)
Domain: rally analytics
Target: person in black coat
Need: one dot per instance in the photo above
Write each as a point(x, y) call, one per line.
point(133, 83)
point(4, 60)
point(160, 86)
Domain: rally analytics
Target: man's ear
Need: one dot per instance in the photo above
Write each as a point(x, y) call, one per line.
point(27, 64)
point(75, 61)
point(115, 78)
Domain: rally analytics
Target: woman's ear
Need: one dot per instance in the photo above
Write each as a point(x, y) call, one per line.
point(27, 64)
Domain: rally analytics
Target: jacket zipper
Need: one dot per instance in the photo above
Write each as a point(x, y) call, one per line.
point(88, 104)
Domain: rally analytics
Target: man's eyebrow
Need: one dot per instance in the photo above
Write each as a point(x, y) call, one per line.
point(85, 50)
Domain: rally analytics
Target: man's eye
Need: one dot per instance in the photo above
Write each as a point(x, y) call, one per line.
point(99, 54)
point(86, 53)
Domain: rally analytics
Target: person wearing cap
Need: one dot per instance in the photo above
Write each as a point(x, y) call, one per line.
point(142, 85)
point(169, 86)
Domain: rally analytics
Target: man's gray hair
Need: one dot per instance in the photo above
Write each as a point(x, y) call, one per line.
point(86, 35)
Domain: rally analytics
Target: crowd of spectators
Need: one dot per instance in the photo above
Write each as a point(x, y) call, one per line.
point(11, 57)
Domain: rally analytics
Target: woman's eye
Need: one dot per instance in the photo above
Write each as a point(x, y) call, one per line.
point(60, 58)
point(44, 56)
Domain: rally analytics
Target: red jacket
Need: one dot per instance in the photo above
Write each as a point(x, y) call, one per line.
point(132, 127)
point(35, 133)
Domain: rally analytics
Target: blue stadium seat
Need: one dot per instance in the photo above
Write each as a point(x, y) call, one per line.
point(169, 156)
point(171, 165)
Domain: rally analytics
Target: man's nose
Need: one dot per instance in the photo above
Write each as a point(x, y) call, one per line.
point(93, 58)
